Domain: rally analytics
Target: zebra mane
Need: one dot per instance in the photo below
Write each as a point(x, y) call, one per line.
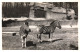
point(52, 22)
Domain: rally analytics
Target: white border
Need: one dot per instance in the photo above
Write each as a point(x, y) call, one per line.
point(0, 26)
point(39, 1)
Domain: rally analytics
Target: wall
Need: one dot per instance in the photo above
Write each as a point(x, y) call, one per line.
point(31, 14)
point(51, 15)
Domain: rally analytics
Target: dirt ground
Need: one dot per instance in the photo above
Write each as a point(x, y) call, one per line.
point(62, 39)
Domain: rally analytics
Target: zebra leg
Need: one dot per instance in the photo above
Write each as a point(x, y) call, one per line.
point(25, 42)
point(25, 39)
point(22, 41)
point(39, 36)
point(49, 37)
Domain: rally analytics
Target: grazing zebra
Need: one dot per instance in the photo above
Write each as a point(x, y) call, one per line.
point(48, 29)
point(24, 31)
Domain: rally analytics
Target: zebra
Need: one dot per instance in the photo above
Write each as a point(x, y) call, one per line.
point(24, 31)
point(48, 29)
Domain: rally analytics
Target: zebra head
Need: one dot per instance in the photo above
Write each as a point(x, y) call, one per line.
point(56, 23)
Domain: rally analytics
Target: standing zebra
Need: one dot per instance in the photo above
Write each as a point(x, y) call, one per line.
point(49, 29)
point(24, 31)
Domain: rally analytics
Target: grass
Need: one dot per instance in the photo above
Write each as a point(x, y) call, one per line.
point(64, 39)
